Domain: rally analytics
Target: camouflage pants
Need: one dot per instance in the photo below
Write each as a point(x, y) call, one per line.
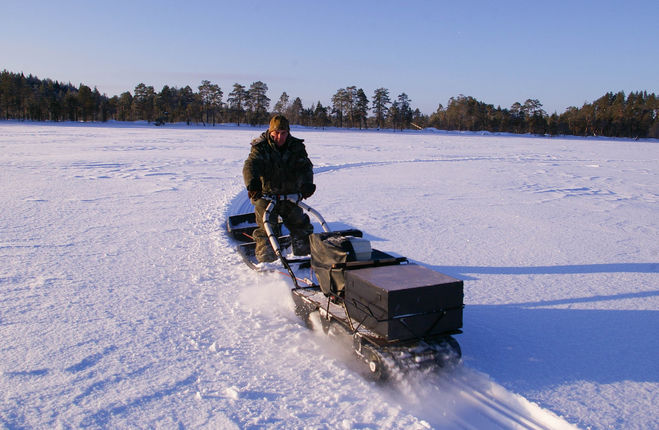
point(295, 220)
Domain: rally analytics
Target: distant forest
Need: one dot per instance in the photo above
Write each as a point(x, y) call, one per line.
point(635, 115)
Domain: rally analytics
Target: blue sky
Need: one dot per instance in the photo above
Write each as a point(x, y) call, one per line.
point(563, 53)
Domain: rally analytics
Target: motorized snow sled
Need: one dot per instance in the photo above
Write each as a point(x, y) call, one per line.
point(400, 315)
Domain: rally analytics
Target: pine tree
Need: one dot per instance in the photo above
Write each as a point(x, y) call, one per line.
point(380, 104)
point(70, 103)
point(211, 100)
point(258, 103)
point(320, 117)
point(237, 100)
point(351, 104)
point(393, 115)
point(361, 108)
point(340, 102)
point(123, 106)
point(165, 105)
point(405, 111)
point(85, 103)
point(144, 102)
point(295, 111)
point(187, 105)
point(282, 104)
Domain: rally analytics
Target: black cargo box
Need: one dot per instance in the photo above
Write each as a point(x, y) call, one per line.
point(405, 301)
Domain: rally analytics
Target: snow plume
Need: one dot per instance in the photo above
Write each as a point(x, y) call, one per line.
point(268, 295)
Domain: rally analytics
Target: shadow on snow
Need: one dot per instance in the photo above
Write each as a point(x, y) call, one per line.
point(528, 346)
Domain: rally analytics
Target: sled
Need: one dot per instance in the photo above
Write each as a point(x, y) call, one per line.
point(400, 315)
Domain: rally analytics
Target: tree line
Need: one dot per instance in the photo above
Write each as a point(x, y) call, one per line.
point(613, 115)
point(635, 115)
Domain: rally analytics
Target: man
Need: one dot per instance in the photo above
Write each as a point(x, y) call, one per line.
point(278, 164)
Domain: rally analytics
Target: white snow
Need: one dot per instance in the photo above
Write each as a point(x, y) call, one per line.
point(123, 304)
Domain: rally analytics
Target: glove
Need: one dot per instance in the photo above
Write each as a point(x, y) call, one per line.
point(254, 190)
point(307, 190)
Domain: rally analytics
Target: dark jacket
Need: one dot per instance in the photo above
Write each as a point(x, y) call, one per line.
point(280, 171)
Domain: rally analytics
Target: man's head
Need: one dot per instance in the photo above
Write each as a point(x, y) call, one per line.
point(279, 129)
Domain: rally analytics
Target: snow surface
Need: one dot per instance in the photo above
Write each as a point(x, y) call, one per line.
point(123, 304)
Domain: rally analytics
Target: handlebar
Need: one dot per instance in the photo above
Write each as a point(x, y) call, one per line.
point(272, 238)
point(295, 198)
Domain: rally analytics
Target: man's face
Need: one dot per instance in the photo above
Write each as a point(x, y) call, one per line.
point(279, 136)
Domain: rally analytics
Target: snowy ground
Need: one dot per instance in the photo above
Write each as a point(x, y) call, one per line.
point(122, 303)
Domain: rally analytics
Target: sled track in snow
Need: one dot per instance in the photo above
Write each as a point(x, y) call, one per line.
point(497, 412)
point(470, 400)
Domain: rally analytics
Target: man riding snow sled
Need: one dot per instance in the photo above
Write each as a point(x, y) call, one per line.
point(278, 164)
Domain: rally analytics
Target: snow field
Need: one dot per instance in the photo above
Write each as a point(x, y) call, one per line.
point(123, 304)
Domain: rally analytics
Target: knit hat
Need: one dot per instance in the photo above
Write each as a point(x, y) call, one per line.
point(279, 122)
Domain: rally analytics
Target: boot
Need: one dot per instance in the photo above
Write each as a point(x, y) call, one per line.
point(301, 246)
point(263, 251)
point(265, 254)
